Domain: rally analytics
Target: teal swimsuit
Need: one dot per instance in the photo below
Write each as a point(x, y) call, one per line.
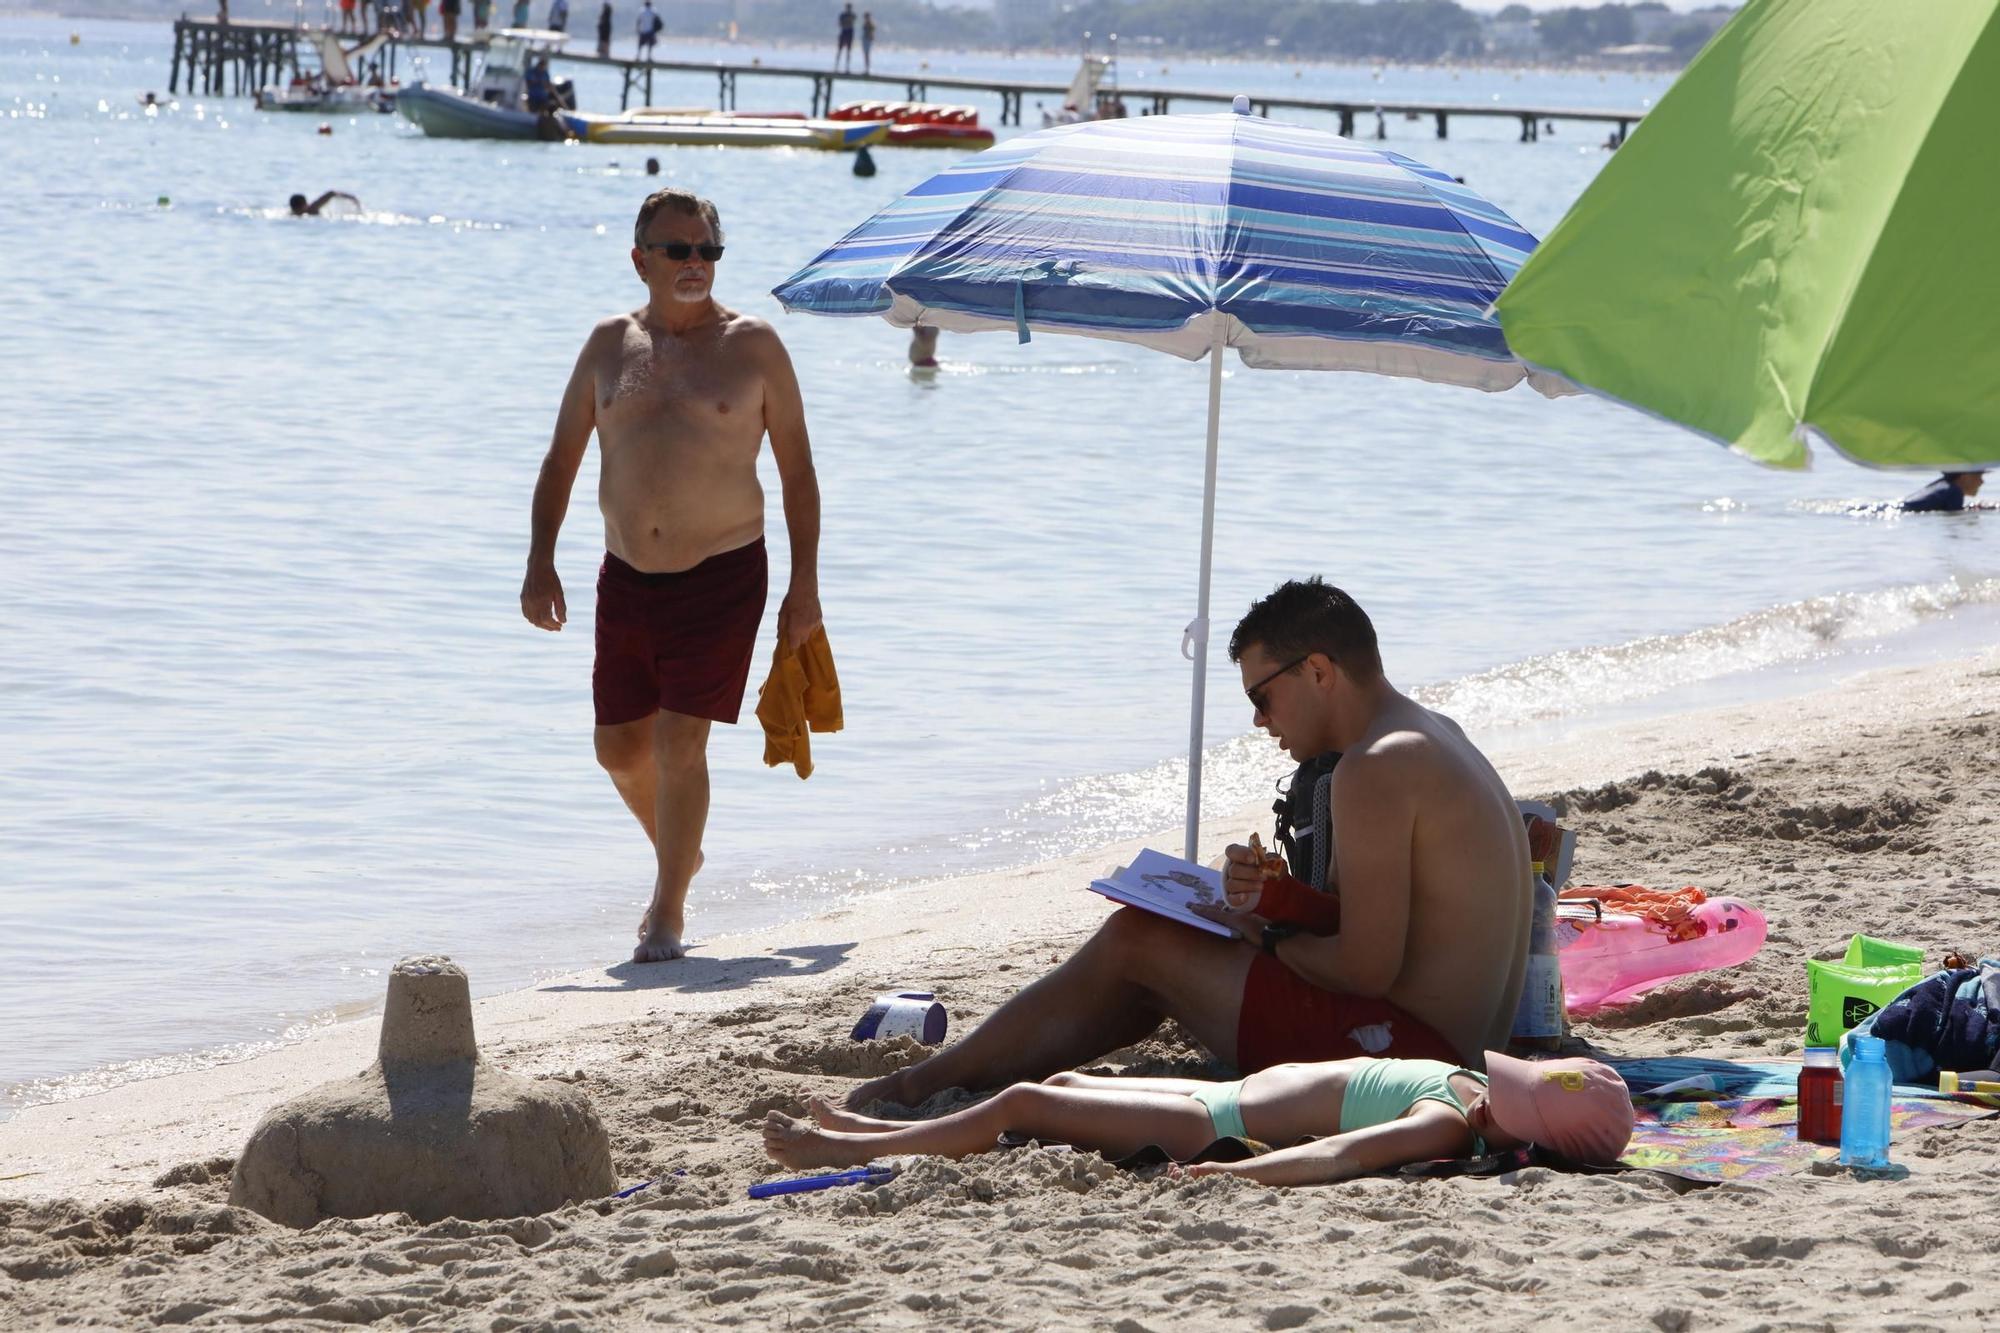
point(1378, 1092)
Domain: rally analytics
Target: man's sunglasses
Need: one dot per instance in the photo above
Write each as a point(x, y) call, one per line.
point(1255, 693)
point(681, 251)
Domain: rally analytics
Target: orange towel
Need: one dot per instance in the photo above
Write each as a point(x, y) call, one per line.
point(802, 693)
point(1670, 909)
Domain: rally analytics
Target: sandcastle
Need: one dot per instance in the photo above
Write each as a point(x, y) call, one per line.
point(428, 1129)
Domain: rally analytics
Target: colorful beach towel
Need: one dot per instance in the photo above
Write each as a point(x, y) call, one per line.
point(1756, 1138)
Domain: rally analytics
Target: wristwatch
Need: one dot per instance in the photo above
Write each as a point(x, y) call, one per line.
point(1275, 931)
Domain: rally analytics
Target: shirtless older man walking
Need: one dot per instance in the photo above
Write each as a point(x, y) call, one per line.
point(1429, 857)
point(681, 393)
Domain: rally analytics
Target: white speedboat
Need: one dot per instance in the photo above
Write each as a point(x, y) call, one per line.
point(721, 129)
point(334, 86)
point(496, 104)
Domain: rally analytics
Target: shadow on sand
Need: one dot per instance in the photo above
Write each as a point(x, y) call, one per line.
point(695, 974)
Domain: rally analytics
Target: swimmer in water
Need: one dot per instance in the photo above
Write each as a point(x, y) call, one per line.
point(302, 209)
point(923, 347)
point(1947, 495)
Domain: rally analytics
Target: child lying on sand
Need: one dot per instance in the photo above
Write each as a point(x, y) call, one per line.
point(1373, 1114)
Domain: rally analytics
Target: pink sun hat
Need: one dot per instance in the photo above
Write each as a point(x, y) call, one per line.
point(1580, 1108)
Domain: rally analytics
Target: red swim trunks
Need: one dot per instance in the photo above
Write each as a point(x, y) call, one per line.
point(1287, 1019)
point(679, 641)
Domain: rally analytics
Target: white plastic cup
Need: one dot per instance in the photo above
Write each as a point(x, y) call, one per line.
point(903, 1014)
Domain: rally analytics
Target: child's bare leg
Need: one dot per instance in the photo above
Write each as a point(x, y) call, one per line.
point(829, 1116)
point(1115, 1123)
point(1184, 1087)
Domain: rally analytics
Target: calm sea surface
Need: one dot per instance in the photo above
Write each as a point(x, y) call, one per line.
point(270, 717)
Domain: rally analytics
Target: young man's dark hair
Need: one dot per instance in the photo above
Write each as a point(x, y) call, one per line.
point(1300, 618)
point(680, 201)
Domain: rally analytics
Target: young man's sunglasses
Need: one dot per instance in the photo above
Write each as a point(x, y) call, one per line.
point(680, 251)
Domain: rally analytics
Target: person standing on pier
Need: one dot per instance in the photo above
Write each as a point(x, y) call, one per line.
point(482, 15)
point(649, 30)
point(448, 16)
point(604, 30)
point(867, 41)
point(520, 13)
point(558, 15)
point(681, 393)
point(845, 50)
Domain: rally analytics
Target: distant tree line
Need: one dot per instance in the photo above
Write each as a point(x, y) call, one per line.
point(1410, 31)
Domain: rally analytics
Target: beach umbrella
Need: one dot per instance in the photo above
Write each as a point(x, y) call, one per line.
point(1193, 234)
point(1798, 242)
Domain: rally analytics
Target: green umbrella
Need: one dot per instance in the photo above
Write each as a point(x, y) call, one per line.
point(1803, 238)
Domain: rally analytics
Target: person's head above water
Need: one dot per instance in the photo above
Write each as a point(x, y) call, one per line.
point(652, 166)
point(1968, 482)
point(298, 204)
point(1310, 665)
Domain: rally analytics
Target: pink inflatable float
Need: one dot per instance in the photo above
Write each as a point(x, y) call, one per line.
point(1618, 956)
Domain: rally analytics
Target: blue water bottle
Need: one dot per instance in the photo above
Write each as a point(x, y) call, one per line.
point(1864, 1114)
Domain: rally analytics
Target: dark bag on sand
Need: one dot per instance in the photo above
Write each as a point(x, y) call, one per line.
point(1304, 829)
point(1947, 1021)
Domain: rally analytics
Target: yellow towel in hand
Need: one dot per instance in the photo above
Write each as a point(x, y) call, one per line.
point(801, 693)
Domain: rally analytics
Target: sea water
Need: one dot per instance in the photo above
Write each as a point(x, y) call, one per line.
point(270, 717)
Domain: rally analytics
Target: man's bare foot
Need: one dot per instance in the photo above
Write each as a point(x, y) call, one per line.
point(830, 1116)
point(798, 1144)
point(666, 944)
point(888, 1088)
point(659, 946)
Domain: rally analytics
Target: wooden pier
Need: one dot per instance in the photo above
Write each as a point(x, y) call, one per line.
point(232, 59)
point(215, 51)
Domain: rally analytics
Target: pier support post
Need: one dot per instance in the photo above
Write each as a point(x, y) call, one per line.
point(1531, 129)
point(174, 71)
point(1010, 107)
point(1442, 133)
point(1347, 122)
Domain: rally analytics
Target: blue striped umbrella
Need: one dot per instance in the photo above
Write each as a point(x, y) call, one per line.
point(1300, 249)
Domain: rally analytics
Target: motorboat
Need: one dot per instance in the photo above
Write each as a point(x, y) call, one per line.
point(495, 105)
point(333, 87)
point(724, 130)
point(921, 124)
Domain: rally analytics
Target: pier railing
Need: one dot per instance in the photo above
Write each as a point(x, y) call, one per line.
point(250, 53)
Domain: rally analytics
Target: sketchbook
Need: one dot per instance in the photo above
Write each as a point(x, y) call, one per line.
point(1167, 886)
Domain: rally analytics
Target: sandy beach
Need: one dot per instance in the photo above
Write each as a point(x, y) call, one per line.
point(1873, 805)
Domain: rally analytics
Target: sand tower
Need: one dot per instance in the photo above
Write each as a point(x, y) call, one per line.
point(428, 1129)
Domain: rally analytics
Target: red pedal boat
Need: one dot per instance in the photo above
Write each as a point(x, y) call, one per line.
point(922, 124)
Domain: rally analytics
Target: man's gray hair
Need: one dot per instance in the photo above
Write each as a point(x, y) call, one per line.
point(680, 201)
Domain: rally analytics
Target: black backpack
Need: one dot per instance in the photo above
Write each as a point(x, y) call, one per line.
point(1304, 826)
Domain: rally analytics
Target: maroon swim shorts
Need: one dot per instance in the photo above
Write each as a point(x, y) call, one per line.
point(679, 641)
point(1286, 1019)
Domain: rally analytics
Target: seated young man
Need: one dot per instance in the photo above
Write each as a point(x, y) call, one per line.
point(1430, 861)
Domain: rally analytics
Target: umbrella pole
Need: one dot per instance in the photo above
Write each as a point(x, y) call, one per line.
point(1197, 633)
